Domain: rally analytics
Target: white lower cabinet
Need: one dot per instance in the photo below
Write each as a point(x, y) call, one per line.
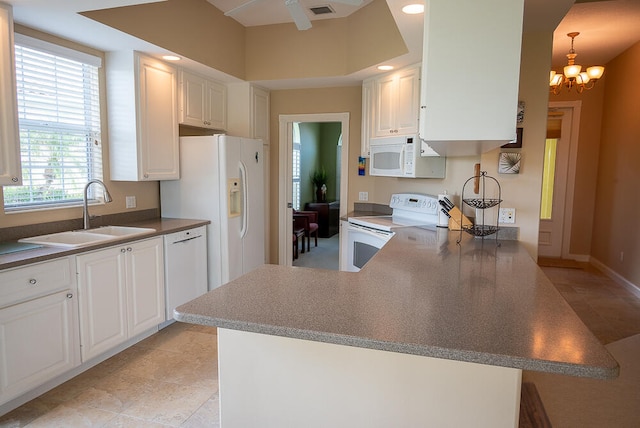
point(38, 326)
point(121, 294)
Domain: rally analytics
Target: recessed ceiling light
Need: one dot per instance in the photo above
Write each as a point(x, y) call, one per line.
point(171, 57)
point(385, 67)
point(413, 9)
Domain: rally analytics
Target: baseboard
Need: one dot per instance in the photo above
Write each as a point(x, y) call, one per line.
point(579, 257)
point(633, 288)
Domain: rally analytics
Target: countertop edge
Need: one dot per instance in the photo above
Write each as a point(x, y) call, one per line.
point(404, 348)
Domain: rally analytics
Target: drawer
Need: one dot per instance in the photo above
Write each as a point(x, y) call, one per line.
point(35, 280)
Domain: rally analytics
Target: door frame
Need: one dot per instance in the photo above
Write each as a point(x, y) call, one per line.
point(285, 175)
point(575, 106)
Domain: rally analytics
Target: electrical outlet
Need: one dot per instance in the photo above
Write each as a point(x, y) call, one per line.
point(130, 201)
point(363, 196)
point(507, 215)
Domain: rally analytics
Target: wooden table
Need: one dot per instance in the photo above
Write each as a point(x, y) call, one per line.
point(328, 217)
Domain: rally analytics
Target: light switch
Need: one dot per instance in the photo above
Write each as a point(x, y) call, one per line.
point(507, 216)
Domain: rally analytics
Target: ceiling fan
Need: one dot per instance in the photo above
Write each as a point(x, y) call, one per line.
point(295, 9)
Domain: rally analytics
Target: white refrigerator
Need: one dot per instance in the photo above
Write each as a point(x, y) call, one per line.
point(221, 180)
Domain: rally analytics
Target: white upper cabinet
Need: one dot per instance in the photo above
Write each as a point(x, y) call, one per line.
point(249, 111)
point(203, 102)
point(259, 112)
point(10, 173)
point(396, 103)
point(367, 117)
point(470, 74)
point(142, 99)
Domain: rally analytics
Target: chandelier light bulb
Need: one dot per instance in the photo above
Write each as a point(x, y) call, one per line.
point(595, 72)
point(572, 70)
point(583, 78)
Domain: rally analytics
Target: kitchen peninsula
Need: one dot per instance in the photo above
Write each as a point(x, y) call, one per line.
point(428, 333)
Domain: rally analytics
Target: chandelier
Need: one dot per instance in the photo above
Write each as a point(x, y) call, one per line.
point(573, 76)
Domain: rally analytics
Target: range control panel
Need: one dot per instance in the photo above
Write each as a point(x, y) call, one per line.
point(415, 202)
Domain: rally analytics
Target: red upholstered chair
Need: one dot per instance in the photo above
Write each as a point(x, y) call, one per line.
point(310, 221)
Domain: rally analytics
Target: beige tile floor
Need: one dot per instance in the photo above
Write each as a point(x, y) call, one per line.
point(609, 310)
point(170, 379)
point(167, 380)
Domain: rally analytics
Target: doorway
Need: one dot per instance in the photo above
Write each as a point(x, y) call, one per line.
point(286, 178)
point(558, 179)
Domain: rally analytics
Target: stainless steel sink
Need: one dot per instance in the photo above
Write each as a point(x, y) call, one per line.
point(82, 238)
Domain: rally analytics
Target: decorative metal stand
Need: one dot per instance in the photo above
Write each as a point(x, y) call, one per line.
point(481, 229)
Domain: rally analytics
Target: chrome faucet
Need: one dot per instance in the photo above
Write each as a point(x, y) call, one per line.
point(107, 199)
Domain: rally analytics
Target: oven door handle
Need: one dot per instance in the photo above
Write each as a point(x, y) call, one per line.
point(369, 231)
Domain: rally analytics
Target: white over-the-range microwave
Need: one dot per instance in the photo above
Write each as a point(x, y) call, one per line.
point(403, 156)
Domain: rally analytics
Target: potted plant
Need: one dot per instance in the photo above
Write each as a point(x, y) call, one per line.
point(319, 180)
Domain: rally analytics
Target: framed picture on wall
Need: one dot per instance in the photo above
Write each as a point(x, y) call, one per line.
point(509, 163)
point(515, 144)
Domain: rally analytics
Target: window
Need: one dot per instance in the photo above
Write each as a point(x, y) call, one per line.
point(59, 125)
point(296, 166)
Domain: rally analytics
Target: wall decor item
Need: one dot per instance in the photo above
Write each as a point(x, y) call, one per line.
point(520, 115)
point(515, 144)
point(509, 163)
point(362, 163)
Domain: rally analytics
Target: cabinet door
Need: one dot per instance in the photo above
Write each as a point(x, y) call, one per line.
point(38, 341)
point(367, 117)
point(408, 101)
point(216, 99)
point(158, 120)
point(385, 100)
point(145, 285)
point(10, 173)
point(102, 300)
point(260, 114)
point(396, 103)
point(192, 99)
point(469, 112)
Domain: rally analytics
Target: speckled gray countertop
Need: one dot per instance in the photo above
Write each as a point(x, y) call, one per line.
point(162, 226)
point(421, 294)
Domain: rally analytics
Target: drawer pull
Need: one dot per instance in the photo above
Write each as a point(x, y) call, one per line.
point(69, 296)
point(33, 281)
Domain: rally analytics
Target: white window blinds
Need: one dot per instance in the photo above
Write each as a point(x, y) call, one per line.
point(59, 122)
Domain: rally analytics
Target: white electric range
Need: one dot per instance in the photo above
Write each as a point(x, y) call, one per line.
point(367, 234)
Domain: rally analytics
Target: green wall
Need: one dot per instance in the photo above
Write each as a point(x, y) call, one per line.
point(319, 143)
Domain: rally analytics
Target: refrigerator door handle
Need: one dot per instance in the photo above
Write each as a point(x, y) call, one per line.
point(243, 178)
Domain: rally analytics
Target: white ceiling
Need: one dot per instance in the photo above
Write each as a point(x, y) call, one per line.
point(607, 27)
point(264, 12)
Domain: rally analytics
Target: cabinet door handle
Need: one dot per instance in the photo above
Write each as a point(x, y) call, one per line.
point(14, 179)
point(69, 296)
point(33, 281)
point(129, 249)
point(122, 250)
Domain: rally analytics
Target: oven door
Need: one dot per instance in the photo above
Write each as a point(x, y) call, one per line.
point(362, 244)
